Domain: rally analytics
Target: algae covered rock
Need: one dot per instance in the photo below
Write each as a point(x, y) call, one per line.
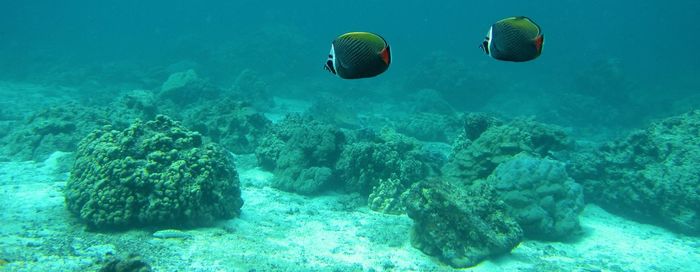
point(540, 195)
point(460, 226)
point(487, 143)
point(389, 155)
point(57, 128)
point(252, 89)
point(651, 175)
point(131, 106)
point(187, 87)
point(428, 101)
point(429, 127)
point(154, 173)
point(477, 123)
point(386, 196)
point(301, 152)
point(132, 263)
point(233, 124)
point(334, 110)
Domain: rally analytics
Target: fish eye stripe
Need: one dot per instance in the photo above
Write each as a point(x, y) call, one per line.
point(329, 67)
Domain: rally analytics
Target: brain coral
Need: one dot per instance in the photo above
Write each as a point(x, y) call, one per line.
point(540, 195)
point(155, 173)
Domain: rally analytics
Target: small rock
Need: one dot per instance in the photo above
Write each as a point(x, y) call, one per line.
point(131, 264)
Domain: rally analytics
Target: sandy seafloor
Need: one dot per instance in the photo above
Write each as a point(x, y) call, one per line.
point(280, 231)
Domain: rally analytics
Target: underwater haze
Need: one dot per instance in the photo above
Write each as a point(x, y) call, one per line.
point(207, 136)
point(645, 47)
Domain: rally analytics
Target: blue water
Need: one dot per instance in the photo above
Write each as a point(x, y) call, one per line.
point(652, 44)
point(654, 41)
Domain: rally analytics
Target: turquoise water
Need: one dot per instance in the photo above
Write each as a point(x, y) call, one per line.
point(646, 47)
point(610, 100)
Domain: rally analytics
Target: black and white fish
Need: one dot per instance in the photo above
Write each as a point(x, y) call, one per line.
point(358, 55)
point(515, 39)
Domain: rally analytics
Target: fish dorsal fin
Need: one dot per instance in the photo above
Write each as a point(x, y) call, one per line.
point(374, 40)
point(524, 24)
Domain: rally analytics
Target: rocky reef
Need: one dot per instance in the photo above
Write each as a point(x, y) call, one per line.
point(384, 156)
point(540, 195)
point(334, 110)
point(250, 88)
point(185, 88)
point(518, 159)
point(460, 226)
point(301, 152)
point(487, 142)
point(386, 196)
point(651, 175)
point(155, 173)
point(431, 127)
point(56, 128)
point(131, 106)
point(235, 125)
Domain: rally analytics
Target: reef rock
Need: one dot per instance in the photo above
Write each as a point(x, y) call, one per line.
point(131, 106)
point(233, 124)
point(184, 88)
point(430, 127)
point(154, 173)
point(651, 175)
point(540, 195)
point(334, 110)
point(57, 128)
point(386, 196)
point(252, 89)
point(460, 226)
point(301, 152)
point(389, 155)
point(487, 142)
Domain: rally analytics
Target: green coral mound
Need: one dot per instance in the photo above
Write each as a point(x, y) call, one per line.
point(487, 142)
point(651, 175)
point(540, 195)
point(460, 226)
point(301, 153)
point(156, 173)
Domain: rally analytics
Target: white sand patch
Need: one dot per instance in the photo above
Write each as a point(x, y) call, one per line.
point(636, 246)
point(32, 172)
